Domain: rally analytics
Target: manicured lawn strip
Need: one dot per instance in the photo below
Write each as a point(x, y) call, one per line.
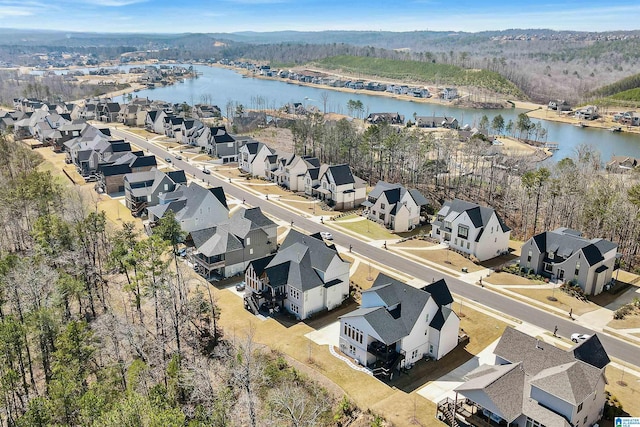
point(368, 229)
point(447, 258)
point(414, 243)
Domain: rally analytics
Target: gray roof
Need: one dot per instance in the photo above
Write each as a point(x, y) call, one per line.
point(535, 355)
point(503, 385)
point(565, 242)
point(300, 261)
point(479, 215)
point(403, 305)
point(571, 382)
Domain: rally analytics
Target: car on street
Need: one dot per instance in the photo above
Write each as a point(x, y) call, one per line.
point(326, 235)
point(206, 171)
point(178, 157)
point(167, 159)
point(240, 287)
point(576, 338)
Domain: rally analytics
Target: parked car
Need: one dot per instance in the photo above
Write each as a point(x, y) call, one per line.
point(167, 159)
point(206, 171)
point(326, 235)
point(240, 287)
point(178, 157)
point(576, 338)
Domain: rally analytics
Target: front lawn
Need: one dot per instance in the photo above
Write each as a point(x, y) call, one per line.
point(368, 229)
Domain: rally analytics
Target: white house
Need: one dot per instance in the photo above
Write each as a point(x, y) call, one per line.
point(398, 324)
point(394, 206)
point(449, 93)
point(336, 185)
point(563, 254)
point(533, 383)
point(304, 277)
point(295, 170)
point(252, 158)
point(472, 229)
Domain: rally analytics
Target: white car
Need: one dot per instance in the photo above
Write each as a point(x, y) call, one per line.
point(579, 337)
point(326, 235)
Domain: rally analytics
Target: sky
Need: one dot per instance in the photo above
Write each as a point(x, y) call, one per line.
point(211, 16)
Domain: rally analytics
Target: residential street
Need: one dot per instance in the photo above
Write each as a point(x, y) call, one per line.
point(615, 347)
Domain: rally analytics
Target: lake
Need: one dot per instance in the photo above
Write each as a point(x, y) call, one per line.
point(222, 85)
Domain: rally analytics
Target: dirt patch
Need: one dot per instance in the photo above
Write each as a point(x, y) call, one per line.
point(279, 139)
point(630, 321)
point(503, 278)
point(447, 258)
point(564, 301)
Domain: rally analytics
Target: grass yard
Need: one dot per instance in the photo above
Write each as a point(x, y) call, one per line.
point(349, 217)
point(143, 133)
point(481, 328)
point(626, 395)
point(368, 229)
point(630, 321)
point(417, 231)
point(415, 244)
point(265, 187)
point(565, 302)
point(446, 258)
point(366, 391)
point(306, 205)
point(363, 273)
point(503, 278)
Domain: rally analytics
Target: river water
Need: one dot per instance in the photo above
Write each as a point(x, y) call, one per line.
point(221, 85)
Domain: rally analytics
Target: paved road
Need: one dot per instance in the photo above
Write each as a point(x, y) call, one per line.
point(615, 347)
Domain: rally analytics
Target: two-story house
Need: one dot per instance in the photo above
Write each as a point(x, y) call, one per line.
point(195, 207)
point(252, 157)
point(472, 229)
point(143, 189)
point(116, 166)
point(223, 145)
point(336, 185)
point(292, 170)
point(394, 206)
point(304, 277)
point(449, 93)
point(155, 121)
point(565, 255)
point(398, 324)
point(533, 383)
point(227, 248)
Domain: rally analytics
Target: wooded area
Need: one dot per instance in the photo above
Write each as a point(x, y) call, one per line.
point(100, 326)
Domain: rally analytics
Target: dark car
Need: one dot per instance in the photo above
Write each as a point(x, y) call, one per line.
point(206, 171)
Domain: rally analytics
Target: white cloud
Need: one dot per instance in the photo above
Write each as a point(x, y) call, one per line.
point(8, 11)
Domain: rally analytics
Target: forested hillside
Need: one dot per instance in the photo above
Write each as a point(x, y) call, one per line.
point(438, 74)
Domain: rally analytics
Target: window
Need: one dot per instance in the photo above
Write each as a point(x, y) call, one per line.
point(229, 144)
point(455, 241)
point(414, 354)
point(529, 256)
point(548, 267)
point(491, 230)
point(468, 245)
point(463, 231)
point(382, 205)
point(430, 348)
point(585, 420)
point(248, 241)
point(352, 349)
point(251, 251)
point(579, 408)
point(447, 224)
point(577, 269)
point(427, 317)
point(437, 231)
point(294, 308)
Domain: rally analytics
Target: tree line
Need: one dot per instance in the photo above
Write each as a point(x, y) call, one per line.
point(101, 326)
point(577, 192)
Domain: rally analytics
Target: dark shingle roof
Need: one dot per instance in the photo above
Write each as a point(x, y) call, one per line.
point(341, 174)
point(592, 352)
point(535, 355)
point(439, 292)
point(566, 242)
point(260, 264)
